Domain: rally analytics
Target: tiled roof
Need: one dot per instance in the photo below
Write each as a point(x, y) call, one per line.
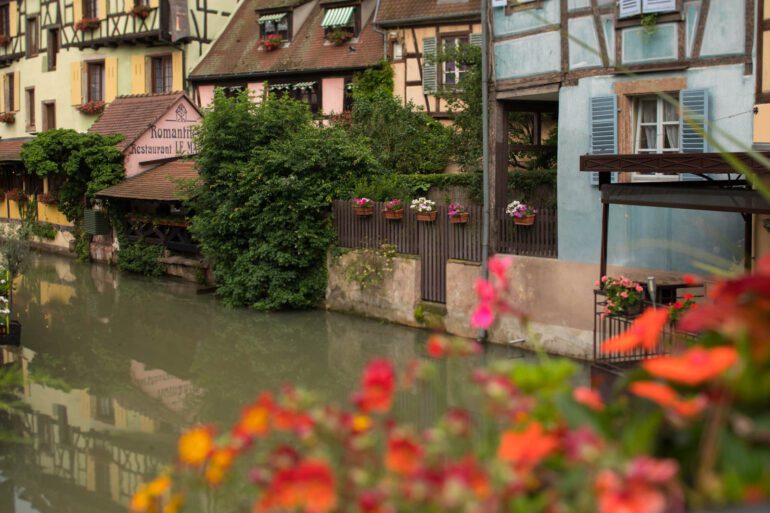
point(278, 4)
point(132, 115)
point(236, 52)
point(421, 10)
point(157, 184)
point(10, 149)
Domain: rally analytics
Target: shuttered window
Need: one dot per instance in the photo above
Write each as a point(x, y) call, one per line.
point(628, 8)
point(161, 74)
point(695, 113)
point(429, 76)
point(95, 82)
point(604, 129)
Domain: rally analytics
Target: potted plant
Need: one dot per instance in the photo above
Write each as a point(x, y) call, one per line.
point(624, 296)
point(47, 198)
point(521, 213)
point(425, 209)
point(16, 195)
point(86, 24)
point(363, 207)
point(8, 118)
point(4, 40)
point(394, 209)
point(458, 214)
point(141, 11)
point(91, 107)
point(271, 42)
point(339, 36)
point(678, 308)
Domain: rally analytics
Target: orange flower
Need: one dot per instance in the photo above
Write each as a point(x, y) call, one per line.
point(378, 385)
point(159, 486)
point(527, 448)
point(403, 455)
point(589, 398)
point(174, 504)
point(255, 419)
point(644, 333)
point(667, 397)
point(695, 366)
point(141, 501)
point(309, 487)
point(195, 445)
point(219, 463)
point(436, 346)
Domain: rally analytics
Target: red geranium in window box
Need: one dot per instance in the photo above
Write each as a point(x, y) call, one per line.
point(91, 107)
point(47, 198)
point(271, 42)
point(8, 118)
point(141, 11)
point(16, 195)
point(87, 24)
point(5, 40)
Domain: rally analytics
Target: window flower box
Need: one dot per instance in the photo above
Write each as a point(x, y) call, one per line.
point(339, 36)
point(458, 214)
point(47, 198)
point(363, 207)
point(624, 296)
point(424, 209)
point(522, 214)
point(394, 209)
point(91, 108)
point(16, 195)
point(8, 118)
point(271, 42)
point(141, 11)
point(5, 40)
point(87, 24)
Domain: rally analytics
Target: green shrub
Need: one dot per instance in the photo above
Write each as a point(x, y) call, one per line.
point(141, 258)
point(43, 230)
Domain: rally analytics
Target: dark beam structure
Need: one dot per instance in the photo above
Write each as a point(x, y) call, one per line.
point(673, 163)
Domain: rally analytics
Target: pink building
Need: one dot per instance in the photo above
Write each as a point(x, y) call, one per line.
point(308, 49)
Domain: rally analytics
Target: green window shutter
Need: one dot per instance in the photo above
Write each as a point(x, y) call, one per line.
point(695, 106)
point(475, 39)
point(604, 129)
point(429, 71)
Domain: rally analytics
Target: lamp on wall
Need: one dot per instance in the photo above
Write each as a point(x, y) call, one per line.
point(651, 288)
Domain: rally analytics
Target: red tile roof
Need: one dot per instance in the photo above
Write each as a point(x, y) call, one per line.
point(10, 149)
point(132, 115)
point(160, 183)
point(407, 12)
point(236, 51)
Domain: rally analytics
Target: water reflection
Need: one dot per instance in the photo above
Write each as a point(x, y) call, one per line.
point(114, 366)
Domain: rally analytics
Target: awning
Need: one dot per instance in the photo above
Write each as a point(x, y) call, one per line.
point(303, 85)
point(264, 18)
point(10, 149)
point(279, 87)
point(339, 17)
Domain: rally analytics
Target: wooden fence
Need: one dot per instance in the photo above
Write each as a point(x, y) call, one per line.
point(538, 240)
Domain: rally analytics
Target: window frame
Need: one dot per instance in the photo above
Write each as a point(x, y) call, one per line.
point(90, 9)
point(53, 45)
point(167, 72)
point(285, 34)
point(32, 36)
point(31, 114)
point(356, 18)
point(8, 92)
point(660, 125)
point(89, 65)
point(460, 69)
point(48, 107)
point(662, 17)
point(5, 19)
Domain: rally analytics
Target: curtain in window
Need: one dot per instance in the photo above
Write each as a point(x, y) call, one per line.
point(671, 131)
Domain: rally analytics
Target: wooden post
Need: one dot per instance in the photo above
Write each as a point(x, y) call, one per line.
point(748, 231)
point(605, 234)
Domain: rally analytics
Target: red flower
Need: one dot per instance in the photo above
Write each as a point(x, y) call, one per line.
point(378, 385)
point(437, 346)
point(644, 333)
point(639, 490)
point(309, 487)
point(694, 366)
point(403, 455)
point(589, 398)
point(667, 397)
point(525, 449)
point(255, 419)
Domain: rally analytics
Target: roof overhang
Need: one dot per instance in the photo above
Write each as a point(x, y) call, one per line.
point(419, 21)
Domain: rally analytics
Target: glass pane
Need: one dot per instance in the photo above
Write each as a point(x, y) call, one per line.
point(649, 111)
point(670, 137)
point(670, 112)
point(449, 78)
point(648, 137)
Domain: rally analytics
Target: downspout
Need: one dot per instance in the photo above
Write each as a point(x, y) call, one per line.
point(482, 335)
point(383, 33)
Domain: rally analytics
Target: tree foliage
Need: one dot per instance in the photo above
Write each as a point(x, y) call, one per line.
point(89, 162)
point(268, 175)
point(374, 81)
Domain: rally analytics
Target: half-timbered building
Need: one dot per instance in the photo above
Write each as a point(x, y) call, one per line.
point(416, 32)
point(307, 49)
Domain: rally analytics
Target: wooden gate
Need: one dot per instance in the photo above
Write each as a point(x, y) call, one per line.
point(434, 252)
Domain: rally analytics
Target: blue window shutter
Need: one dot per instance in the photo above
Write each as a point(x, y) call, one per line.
point(604, 129)
point(429, 78)
point(695, 110)
point(475, 39)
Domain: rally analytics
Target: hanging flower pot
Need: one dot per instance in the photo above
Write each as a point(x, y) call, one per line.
point(424, 209)
point(87, 24)
point(460, 218)
point(426, 217)
point(458, 214)
point(394, 210)
point(524, 221)
point(522, 214)
point(16, 195)
point(363, 207)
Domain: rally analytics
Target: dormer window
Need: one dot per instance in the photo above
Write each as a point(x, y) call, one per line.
point(341, 21)
point(275, 24)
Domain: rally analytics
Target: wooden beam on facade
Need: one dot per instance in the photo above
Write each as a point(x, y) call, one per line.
point(672, 163)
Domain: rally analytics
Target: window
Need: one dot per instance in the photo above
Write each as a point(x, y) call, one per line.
point(49, 115)
point(142, 3)
point(95, 81)
point(160, 74)
point(277, 23)
point(453, 72)
point(396, 50)
point(53, 48)
point(90, 8)
point(32, 37)
point(656, 131)
point(29, 95)
point(306, 92)
point(342, 19)
point(8, 91)
point(627, 8)
point(5, 20)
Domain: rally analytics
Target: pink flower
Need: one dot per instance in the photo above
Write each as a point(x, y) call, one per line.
point(639, 288)
point(485, 291)
point(483, 317)
point(499, 266)
point(605, 278)
point(624, 294)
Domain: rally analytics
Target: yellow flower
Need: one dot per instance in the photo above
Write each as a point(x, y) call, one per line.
point(174, 504)
point(141, 501)
point(361, 423)
point(159, 486)
point(195, 446)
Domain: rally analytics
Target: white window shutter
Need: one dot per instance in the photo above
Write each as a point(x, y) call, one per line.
point(695, 105)
point(651, 6)
point(604, 129)
point(629, 8)
point(429, 72)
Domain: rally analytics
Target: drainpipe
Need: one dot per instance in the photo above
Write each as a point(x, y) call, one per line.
point(482, 335)
point(383, 33)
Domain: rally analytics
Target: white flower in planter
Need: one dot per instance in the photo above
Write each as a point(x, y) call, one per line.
point(423, 205)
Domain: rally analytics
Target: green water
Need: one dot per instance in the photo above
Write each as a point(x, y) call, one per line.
point(116, 365)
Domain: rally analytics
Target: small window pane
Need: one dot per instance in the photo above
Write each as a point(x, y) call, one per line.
point(671, 137)
point(649, 111)
point(648, 137)
point(670, 112)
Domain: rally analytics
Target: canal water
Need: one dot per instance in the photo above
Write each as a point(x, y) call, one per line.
point(116, 365)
